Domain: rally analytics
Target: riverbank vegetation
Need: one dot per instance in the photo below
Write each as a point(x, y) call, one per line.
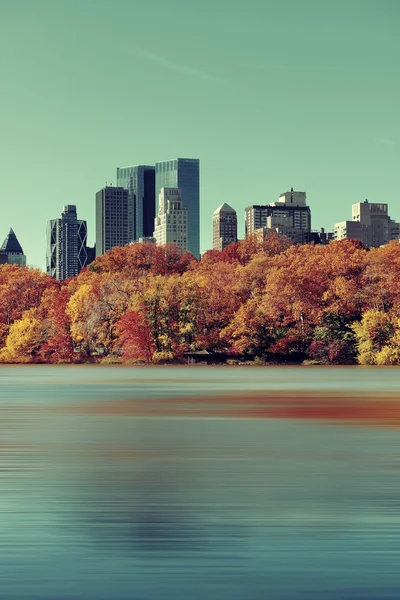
point(255, 301)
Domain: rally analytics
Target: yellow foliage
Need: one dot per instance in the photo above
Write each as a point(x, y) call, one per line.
point(378, 339)
point(77, 309)
point(23, 340)
point(389, 355)
point(373, 334)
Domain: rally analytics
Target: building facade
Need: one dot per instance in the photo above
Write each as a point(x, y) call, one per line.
point(224, 227)
point(184, 173)
point(11, 251)
point(147, 240)
point(66, 253)
point(290, 216)
point(255, 217)
point(112, 219)
point(140, 181)
point(370, 224)
point(171, 223)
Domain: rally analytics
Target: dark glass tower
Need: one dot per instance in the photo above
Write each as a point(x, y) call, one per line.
point(140, 181)
point(66, 245)
point(183, 173)
point(112, 223)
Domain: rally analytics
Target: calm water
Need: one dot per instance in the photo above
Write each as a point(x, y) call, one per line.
point(130, 506)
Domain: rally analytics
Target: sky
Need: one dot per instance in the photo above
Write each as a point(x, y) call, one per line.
point(268, 95)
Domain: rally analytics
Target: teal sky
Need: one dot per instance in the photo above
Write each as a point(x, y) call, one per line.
point(269, 95)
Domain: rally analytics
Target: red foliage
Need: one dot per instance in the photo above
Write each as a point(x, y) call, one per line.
point(59, 346)
point(135, 336)
point(137, 259)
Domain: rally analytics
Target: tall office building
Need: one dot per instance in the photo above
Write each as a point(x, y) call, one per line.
point(171, 223)
point(11, 252)
point(112, 219)
point(140, 181)
point(224, 227)
point(66, 244)
point(255, 217)
point(184, 173)
point(371, 224)
point(290, 216)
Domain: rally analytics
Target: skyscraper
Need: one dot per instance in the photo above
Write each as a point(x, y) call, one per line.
point(171, 223)
point(224, 227)
point(184, 173)
point(112, 223)
point(66, 244)
point(11, 251)
point(140, 181)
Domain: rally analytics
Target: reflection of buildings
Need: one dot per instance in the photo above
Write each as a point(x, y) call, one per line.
point(370, 224)
point(11, 252)
point(140, 183)
point(224, 227)
point(184, 173)
point(290, 216)
point(67, 252)
point(112, 219)
point(171, 223)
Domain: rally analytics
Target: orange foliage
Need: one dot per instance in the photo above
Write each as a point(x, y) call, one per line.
point(20, 290)
point(254, 299)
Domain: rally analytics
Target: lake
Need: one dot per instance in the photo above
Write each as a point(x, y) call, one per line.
point(122, 483)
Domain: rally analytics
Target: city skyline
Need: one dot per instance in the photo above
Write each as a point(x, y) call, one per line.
point(261, 115)
point(256, 218)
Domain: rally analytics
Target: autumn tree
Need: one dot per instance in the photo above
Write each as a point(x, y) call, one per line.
point(24, 340)
point(21, 289)
point(58, 346)
point(136, 338)
point(373, 334)
point(334, 341)
point(136, 260)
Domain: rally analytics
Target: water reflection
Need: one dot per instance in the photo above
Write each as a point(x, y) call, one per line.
point(140, 510)
point(102, 503)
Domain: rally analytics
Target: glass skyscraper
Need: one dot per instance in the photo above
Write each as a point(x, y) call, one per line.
point(183, 173)
point(66, 244)
point(140, 182)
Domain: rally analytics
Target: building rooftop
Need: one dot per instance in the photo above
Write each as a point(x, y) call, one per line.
point(136, 166)
point(178, 158)
point(224, 208)
point(11, 244)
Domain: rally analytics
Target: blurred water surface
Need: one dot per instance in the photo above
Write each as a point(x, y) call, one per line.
point(131, 506)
